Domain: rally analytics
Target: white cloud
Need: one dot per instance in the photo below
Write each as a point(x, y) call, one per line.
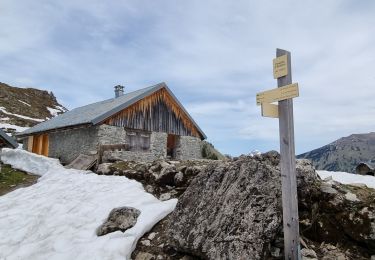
point(215, 55)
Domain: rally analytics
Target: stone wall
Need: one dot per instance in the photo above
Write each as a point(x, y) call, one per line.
point(189, 147)
point(108, 134)
point(25, 143)
point(67, 145)
point(158, 150)
point(159, 144)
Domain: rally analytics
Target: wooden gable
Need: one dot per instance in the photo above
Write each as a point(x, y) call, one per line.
point(158, 112)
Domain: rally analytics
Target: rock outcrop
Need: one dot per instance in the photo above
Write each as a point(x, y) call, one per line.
point(164, 179)
point(21, 108)
point(230, 211)
point(119, 219)
point(233, 211)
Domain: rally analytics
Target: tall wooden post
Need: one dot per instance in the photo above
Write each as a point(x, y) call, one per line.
point(284, 95)
point(288, 167)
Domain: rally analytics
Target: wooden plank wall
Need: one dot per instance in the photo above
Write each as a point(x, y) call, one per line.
point(39, 144)
point(157, 112)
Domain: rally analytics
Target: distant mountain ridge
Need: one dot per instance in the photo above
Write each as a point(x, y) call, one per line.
point(344, 154)
point(21, 108)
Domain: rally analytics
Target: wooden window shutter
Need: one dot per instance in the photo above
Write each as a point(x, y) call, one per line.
point(145, 141)
point(138, 141)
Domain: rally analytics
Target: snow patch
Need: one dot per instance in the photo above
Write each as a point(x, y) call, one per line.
point(23, 102)
point(62, 109)
point(2, 109)
point(56, 218)
point(349, 178)
point(54, 112)
point(15, 127)
point(254, 153)
point(30, 162)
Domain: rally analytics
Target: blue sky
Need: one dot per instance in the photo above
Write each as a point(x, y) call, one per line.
point(214, 55)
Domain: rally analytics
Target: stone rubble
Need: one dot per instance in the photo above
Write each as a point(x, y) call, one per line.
point(119, 219)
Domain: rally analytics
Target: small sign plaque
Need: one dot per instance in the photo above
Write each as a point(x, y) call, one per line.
point(270, 110)
point(280, 66)
point(278, 94)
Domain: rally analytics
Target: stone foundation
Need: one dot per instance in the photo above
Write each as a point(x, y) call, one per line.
point(68, 144)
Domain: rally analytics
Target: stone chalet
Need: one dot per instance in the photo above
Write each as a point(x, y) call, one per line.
point(142, 125)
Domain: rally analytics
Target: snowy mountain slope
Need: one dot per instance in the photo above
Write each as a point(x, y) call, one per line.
point(56, 218)
point(21, 108)
point(344, 154)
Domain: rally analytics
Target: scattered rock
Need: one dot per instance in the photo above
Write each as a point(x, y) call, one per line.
point(351, 197)
point(145, 256)
point(160, 176)
point(276, 252)
point(152, 235)
point(104, 168)
point(327, 188)
point(119, 219)
point(166, 176)
point(150, 189)
point(164, 164)
point(308, 254)
point(146, 242)
point(179, 179)
point(165, 196)
point(331, 252)
point(360, 185)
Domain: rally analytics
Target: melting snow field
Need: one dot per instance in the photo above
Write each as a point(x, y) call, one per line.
point(16, 127)
point(348, 178)
point(56, 218)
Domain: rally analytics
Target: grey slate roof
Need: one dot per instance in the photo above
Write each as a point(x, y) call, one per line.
point(10, 140)
point(99, 111)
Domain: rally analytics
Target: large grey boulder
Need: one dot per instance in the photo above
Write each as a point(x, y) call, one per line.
point(119, 219)
point(230, 211)
point(233, 210)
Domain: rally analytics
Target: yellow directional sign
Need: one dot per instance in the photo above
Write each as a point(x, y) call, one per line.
point(270, 110)
point(278, 94)
point(280, 66)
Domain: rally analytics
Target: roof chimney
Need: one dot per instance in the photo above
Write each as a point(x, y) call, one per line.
point(119, 91)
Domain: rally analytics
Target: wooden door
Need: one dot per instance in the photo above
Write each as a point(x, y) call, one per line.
point(171, 145)
point(40, 144)
point(45, 145)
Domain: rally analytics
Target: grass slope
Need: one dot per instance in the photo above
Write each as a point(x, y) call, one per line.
point(11, 179)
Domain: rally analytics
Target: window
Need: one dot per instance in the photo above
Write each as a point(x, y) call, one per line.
point(138, 140)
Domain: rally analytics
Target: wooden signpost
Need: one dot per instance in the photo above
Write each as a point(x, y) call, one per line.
point(282, 71)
